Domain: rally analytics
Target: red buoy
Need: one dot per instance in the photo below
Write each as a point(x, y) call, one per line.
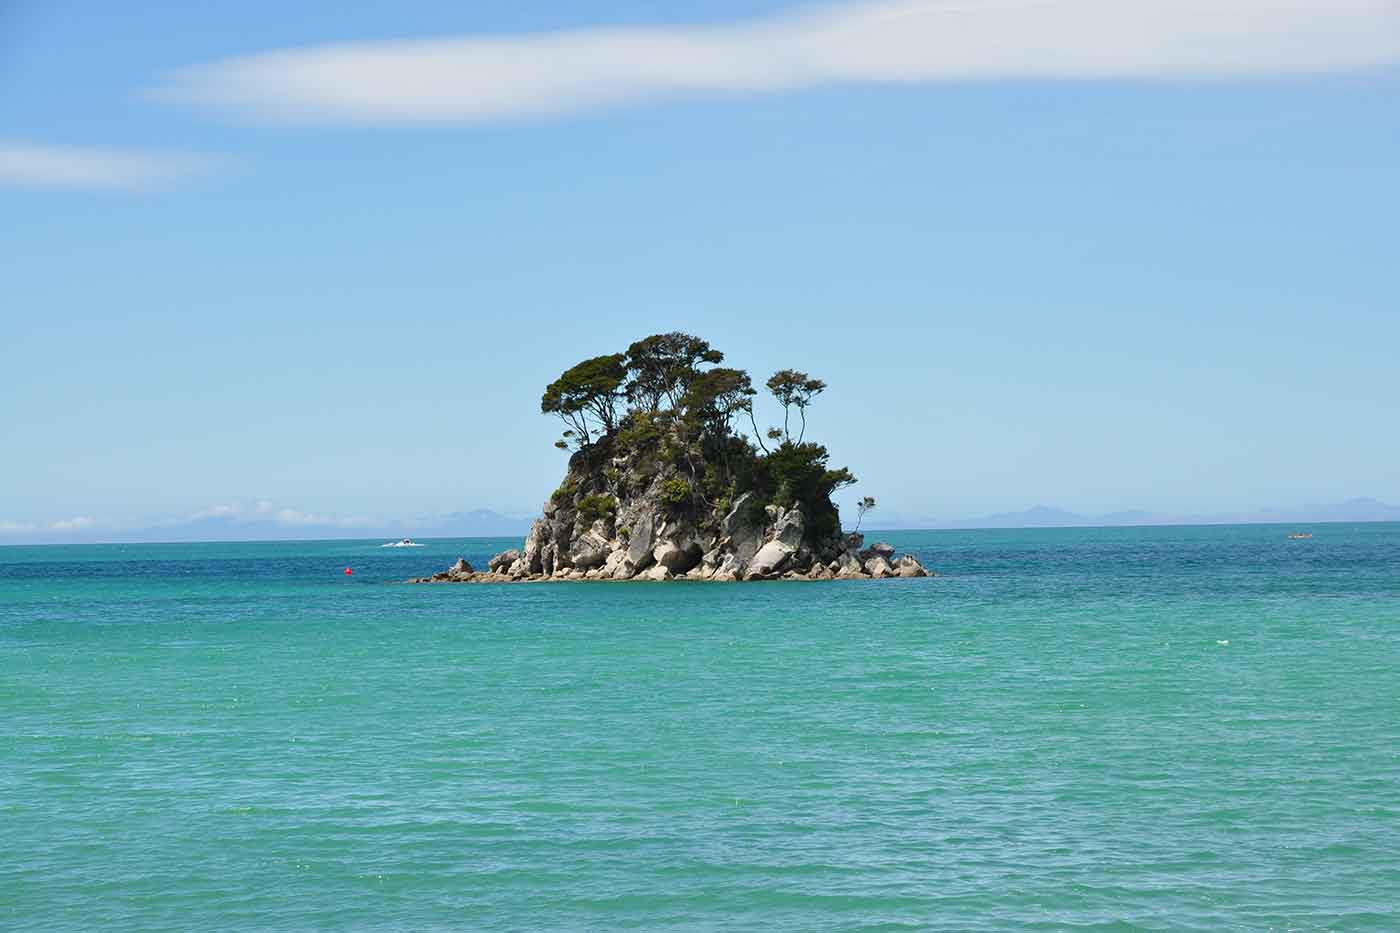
point(348, 571)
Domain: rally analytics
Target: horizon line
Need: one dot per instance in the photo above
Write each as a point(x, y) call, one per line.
point(901, 530)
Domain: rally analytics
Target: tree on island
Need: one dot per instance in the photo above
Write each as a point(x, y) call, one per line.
point(587, 391)
point(863, 506)
point(662, 367)
point(794, 389)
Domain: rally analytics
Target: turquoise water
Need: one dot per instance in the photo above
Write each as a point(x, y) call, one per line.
point(1170, 728)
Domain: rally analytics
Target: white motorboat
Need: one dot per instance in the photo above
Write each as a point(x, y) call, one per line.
point(406, 542)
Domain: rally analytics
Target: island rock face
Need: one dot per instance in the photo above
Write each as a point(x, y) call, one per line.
point(664, 483)
point(645, 535)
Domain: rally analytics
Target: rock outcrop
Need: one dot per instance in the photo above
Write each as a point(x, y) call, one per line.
point(665, 484)
point(588, 531)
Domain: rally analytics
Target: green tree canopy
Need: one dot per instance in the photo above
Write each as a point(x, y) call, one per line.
point(715, 396)
point(794, 389)
point(660, 368)
point(588, 391)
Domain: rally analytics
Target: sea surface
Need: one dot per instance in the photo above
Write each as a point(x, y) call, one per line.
point(1157, 728)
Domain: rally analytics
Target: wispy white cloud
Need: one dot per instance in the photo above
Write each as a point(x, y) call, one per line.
point(478, 79)
point(17, 528)
point(215, 511)
point(296, 518)
point(79, 523)
point(265, 511)
point(77, 168)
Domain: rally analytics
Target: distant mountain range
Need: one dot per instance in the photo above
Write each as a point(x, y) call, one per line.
point(278, 525)
point(1042, 516)
point(476, 523)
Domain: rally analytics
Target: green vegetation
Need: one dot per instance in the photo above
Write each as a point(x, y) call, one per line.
point(798, 475)
point(640, 431)
point(593, 507)
point(669, 408)
point(675, 491)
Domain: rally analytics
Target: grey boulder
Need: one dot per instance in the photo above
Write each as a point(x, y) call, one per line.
point(878, 567)
point(503, 560)
point(909, 566)
point(770, 559)
point(589, 550)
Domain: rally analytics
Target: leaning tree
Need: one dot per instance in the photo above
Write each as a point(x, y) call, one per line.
point(585, 397)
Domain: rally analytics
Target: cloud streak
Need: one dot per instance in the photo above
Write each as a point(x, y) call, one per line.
point(78, 524)
point(77, 168)
point(264, 511)
point(463, 81)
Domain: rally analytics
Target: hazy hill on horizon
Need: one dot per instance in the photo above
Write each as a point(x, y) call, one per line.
point(1043, 516)
point(474, 523)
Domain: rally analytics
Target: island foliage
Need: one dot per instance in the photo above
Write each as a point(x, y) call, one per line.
point(667, 406)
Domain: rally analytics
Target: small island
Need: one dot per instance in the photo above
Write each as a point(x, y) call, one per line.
point(663, 484)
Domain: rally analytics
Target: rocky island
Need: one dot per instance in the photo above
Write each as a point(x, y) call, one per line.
point(663, 484)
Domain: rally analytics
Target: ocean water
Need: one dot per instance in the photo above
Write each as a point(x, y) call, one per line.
point(1165, 728)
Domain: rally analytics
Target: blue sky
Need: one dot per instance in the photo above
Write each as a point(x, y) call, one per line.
point(1040, 255)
